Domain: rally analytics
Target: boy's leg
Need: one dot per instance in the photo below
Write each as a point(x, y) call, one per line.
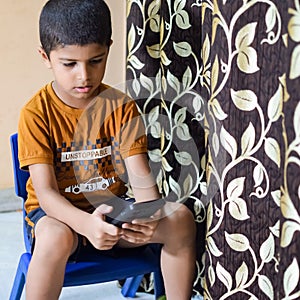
point(54, 242)
point(177, 233)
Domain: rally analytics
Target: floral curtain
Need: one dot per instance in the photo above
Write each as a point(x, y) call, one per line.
point(218, 83)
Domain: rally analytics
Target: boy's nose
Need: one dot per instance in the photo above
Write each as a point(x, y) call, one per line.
point(83, 72)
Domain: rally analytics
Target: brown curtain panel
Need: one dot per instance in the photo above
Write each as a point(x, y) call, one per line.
point(218, 84)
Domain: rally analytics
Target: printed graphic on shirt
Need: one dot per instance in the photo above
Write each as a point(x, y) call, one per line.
point(93, 185)
point(90, 163)
point(88, 157)
point(86, 154)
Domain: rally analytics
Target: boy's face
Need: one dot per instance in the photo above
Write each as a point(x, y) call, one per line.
point(78, 72)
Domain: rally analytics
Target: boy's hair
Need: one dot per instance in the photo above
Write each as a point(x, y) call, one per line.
point(74, 22)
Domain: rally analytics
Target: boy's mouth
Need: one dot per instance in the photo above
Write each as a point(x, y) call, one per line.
point(83, 89)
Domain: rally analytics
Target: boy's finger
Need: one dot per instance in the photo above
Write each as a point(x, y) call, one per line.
point(103, 209)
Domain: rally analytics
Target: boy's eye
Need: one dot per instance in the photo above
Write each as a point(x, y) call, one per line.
point(96, 61)
point(71, 64)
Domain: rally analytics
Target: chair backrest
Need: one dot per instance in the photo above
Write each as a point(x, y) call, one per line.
point(20, 176)
point(20, 180)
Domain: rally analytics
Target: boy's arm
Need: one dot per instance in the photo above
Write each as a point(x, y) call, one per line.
point(144, 188)
point(140, 178)
point(56, 206)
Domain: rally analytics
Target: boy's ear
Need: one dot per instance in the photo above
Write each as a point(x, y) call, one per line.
point(45, 57)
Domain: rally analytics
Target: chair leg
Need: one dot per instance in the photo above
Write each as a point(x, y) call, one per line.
point(159, 287)
point(19, 281)
point(131, 286)
point(18, 285)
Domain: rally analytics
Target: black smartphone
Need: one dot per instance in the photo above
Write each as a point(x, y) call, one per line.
point(136, 210)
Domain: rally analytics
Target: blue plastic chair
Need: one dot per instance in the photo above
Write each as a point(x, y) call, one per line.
point(96, 269)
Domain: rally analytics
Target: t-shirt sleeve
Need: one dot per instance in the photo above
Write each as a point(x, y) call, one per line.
point(133, 134)
point(33, 138)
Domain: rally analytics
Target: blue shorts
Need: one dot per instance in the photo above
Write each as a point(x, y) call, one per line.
point(31, 220)
point(84, 248)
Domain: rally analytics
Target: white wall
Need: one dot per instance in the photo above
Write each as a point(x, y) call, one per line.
point(23, 73)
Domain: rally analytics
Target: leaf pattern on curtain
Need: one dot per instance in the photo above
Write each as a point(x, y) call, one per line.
point(290, 204)
point(163, 76)
point(231, 69)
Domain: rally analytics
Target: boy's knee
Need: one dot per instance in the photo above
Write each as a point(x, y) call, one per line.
point(184, 219)
point(178, 224)
point(179, 214)
point(50, 234)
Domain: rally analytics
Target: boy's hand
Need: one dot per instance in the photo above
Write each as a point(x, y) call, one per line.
point(140, 231)
point(101, 234)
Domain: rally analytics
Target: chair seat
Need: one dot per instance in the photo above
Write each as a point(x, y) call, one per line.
point(105, 268)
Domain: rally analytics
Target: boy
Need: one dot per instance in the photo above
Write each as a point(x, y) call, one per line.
point(62, 219)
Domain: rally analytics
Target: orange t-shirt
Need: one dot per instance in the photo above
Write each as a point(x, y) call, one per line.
point(86, 147)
